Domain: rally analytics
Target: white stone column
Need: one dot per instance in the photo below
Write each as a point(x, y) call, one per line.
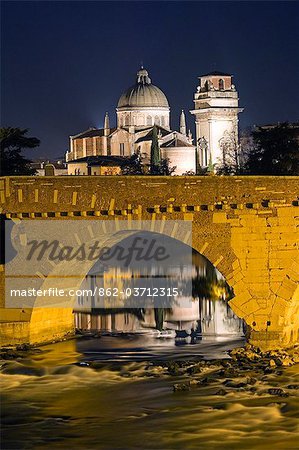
point(75, 149)
point(84, 147)
point(94, 146)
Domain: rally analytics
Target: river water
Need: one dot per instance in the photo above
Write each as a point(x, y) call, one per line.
point(96, 393)
point(112, 388)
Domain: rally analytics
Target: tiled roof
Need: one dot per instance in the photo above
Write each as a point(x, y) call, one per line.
point(216, 73)
point(92, 132)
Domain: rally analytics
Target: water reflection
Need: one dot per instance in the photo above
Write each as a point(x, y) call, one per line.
point(204, 318)
point(201, 309)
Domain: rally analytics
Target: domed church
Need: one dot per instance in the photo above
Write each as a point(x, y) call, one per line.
point(139, 109)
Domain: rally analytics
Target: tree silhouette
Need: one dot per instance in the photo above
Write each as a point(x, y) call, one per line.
point(164, 168)
point(134, 166)
point(155, 153)
point(275, 151)
point(12, 141)
point(229, 164)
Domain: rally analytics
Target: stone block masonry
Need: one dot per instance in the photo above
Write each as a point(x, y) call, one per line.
point(246, 226)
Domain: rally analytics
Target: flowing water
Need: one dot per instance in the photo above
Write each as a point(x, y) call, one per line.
point(112, 393)
point(115, 391)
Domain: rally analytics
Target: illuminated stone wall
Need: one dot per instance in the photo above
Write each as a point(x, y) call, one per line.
point(246, 226)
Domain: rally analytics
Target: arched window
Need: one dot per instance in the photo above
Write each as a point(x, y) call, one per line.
point(127, 122)
point(221, 84)
point(163, 121)
point(157, 120)
point(120, 121)
point(148, 120)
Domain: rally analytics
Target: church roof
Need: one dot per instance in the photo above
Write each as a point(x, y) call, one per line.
point(176, 142)
point(149, 135)
point(143, 94)
point(92, 132)
point(216, 73)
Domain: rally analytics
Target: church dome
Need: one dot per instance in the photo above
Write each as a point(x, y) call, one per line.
point(143, 94)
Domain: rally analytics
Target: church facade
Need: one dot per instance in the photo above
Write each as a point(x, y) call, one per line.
point(143, 106)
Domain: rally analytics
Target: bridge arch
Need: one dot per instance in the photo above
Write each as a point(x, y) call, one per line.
point(246, 226)
point(64, 308)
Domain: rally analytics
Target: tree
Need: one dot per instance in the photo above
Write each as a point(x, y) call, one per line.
point(155, 153)
point(164, 167)
point(12, 142)
point(134, 166)
point(275, 151)
point(246, 146)
point(211, 167)
point(158, 165)
point(229, 164)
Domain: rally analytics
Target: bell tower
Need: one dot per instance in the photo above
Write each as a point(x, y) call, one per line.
point(216, 115)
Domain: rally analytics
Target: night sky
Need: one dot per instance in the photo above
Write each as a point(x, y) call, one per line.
point(65, 63)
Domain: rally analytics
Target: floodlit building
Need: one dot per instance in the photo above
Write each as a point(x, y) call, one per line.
point(97, 165)
point(139, 108)
point(143, 106)
point(216, 109)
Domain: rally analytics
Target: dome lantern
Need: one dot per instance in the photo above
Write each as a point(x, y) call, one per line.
point(142, 77)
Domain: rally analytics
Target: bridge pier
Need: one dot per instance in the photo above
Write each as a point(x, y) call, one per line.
point(39, 326)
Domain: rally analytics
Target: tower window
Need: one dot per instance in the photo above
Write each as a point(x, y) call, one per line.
point(148, 120)
point(221, 84)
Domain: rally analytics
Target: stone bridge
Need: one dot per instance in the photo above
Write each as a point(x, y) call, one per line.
point(246, 226)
